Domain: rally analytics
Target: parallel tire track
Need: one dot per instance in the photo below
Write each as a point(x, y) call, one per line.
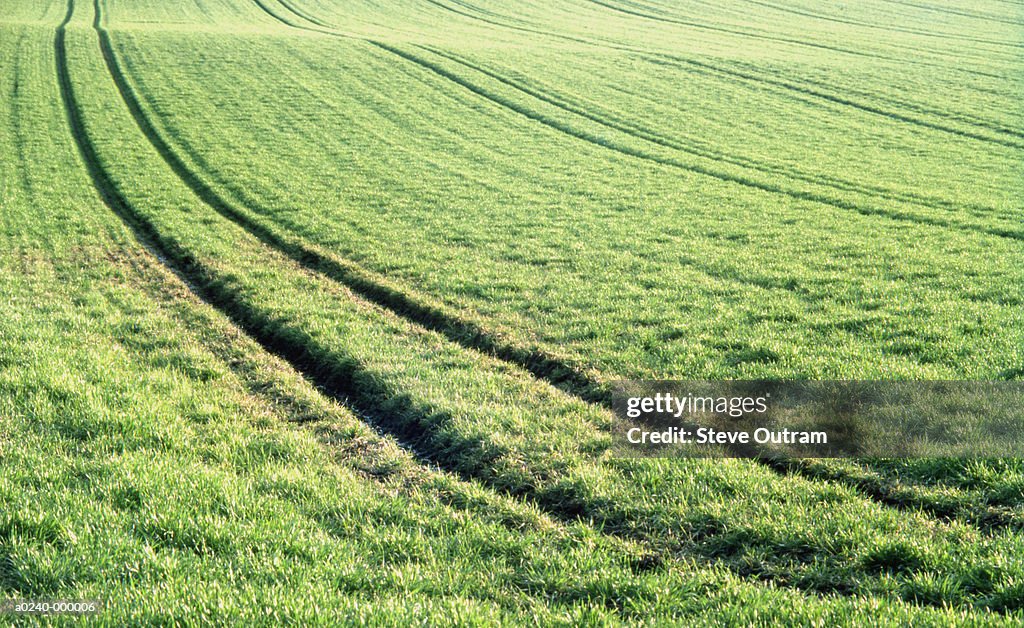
point(787, 40)
point(591, 391)
point(645, 134)
point(980, 122)
point(550, 368)
point(339, 376)
point(206, 286)
point(895, 29)
point(345, 380)
point(693, 168)
point(841, 100)
point(796, 42)
point(352, 385)
point(324, 28)
point(247, 201)
point(795, 87)
point(656, 55)
point(172, 255)
point(302, 14)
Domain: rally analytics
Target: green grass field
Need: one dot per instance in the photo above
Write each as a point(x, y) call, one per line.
point(309, 309)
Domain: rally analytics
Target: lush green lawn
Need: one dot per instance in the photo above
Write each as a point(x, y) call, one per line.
point(236, 235)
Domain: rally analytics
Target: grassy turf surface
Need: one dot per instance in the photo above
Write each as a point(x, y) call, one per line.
point(236, 234)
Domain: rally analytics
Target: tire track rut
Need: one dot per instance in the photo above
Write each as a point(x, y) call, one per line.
point(352, 385)
point(787, 40)
point(777, 83)
point(642, 133)
point(879, 494)
point(895, 29)
point(692, 168)
point(796, 42)
point(840, 100)
point(298, 353)
point(471, 336)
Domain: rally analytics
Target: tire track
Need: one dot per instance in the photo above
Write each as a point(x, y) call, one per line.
point(474, 89)
point(964, 118)
point(839, 100)
point(988, 519)
point(471, 336)
point(726, 277)
point(247, 201)
point(349, 382)
point(349, 378)
point(878, 494)
point(642, 133)
point(345, 380)
point(554, 370)
point(275, 16)
point(894, 29)
point(692, 168)
point(993, 126)
point(952, 11)
point(198, 279)
point(323, 27)
point(711, 274)
point(787, 40)
point(298, 352)
point(708, 27)
point(785, 85)
point(302, 14)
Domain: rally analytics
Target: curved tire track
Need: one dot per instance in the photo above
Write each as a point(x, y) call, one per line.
point(692, 168)
point(894, 29)
point(348, 381)
point(469, 335)
point(879, 494)
point(642, 133)
point(651, 54)
point(964, 118)
point(787, 40)
point(840, 100)
point(340, 376)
